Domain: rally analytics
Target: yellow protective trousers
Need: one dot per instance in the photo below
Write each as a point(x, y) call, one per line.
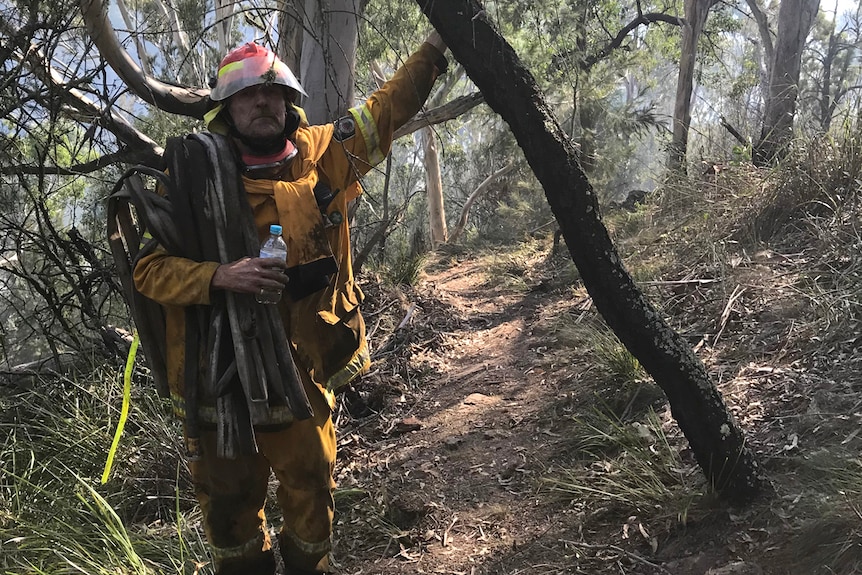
point(232, 495)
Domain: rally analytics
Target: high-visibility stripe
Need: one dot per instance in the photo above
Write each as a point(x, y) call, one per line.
point(230, 68)
point(307, 547)
point(146, 237)
point(278, 414)
point(358, 365)
point(253, 546)
point(368, 128)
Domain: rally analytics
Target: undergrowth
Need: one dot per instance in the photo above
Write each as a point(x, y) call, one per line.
point(56, 517)
point(633, 466)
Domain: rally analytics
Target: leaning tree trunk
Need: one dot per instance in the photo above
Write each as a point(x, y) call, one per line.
point(714, 436)
point(795, 18)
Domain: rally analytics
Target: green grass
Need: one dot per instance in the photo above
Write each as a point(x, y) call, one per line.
point(56, 518)
point(606, 350)
point(629, 465)
point(405, 269)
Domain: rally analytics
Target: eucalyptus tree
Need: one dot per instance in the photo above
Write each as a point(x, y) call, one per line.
point(767, 55)
point(696, 12)
point(795, 18)
point(328, 56)
point(833, 68)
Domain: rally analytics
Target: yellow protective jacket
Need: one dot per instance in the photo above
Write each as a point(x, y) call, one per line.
point(325, 328)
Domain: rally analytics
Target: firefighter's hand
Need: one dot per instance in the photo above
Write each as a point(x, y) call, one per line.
point(250, 275)
point(436, 40)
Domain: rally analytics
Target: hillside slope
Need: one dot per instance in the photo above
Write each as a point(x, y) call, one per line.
point(505, 431)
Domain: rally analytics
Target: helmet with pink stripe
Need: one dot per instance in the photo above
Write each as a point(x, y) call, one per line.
point(252, 65)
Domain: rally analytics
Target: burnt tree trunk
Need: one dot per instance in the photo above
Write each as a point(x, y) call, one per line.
point(715, 438)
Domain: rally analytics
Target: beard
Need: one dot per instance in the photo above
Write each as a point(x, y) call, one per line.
point(262, 146)
point(258, 145)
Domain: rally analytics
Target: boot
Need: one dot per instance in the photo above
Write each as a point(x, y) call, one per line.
point(260, 565)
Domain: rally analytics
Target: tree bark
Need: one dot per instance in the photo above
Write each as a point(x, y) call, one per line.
point(696, 12)
point(431, 161)
point(715, 438)
point(290, 33)
point(434, 186)
point(328, 57)
point(223, 25)
point(795, 18)
point(765, 41)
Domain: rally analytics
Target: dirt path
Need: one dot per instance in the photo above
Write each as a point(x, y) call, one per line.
point(457, 457)
point(469, 418)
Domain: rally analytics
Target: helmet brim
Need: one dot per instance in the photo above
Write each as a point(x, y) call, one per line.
point(253, 71)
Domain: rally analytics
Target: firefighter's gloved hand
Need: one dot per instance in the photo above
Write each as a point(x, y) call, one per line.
point(250, 275)
point(436, 40)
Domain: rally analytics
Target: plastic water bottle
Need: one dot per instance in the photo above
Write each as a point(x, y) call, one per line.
point(272, 247)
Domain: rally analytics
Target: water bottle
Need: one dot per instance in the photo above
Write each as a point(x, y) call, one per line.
point(272, 247)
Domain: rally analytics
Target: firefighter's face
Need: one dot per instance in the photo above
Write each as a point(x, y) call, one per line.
point(258, 111)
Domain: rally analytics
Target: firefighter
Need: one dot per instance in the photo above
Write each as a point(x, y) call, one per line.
point(301, 177)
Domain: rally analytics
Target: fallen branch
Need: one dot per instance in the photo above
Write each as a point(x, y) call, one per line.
point(398, 337)
point(608, 546)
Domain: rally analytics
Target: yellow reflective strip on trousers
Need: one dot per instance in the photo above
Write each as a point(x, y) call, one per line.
point(308, 547)
point(368, 127)
point(251, 547)
point(359, 364)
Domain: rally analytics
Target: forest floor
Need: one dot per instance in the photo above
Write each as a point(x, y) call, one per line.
point(496, 436)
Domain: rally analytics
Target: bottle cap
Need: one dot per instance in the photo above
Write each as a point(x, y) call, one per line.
point(275, 229)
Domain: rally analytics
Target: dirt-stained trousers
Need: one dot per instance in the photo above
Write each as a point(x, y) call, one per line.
point(232, 494)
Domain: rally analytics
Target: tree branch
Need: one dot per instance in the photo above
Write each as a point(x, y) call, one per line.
point(447, 111)
point(174, 99)
point(140, 145)
point(125, 156)
point(617, 41)
point(733, 131)
point(481, 189)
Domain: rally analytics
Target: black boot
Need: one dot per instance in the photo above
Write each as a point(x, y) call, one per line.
point(260, 565)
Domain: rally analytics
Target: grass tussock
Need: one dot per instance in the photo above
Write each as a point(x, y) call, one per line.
point(512, 267)
point(609, 354)
point(56, 517)
point(630, 466)
point(405, 269)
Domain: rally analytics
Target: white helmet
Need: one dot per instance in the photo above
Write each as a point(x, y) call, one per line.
point(251, 65)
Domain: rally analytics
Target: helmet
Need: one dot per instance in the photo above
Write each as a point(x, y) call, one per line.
point(251, 65)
